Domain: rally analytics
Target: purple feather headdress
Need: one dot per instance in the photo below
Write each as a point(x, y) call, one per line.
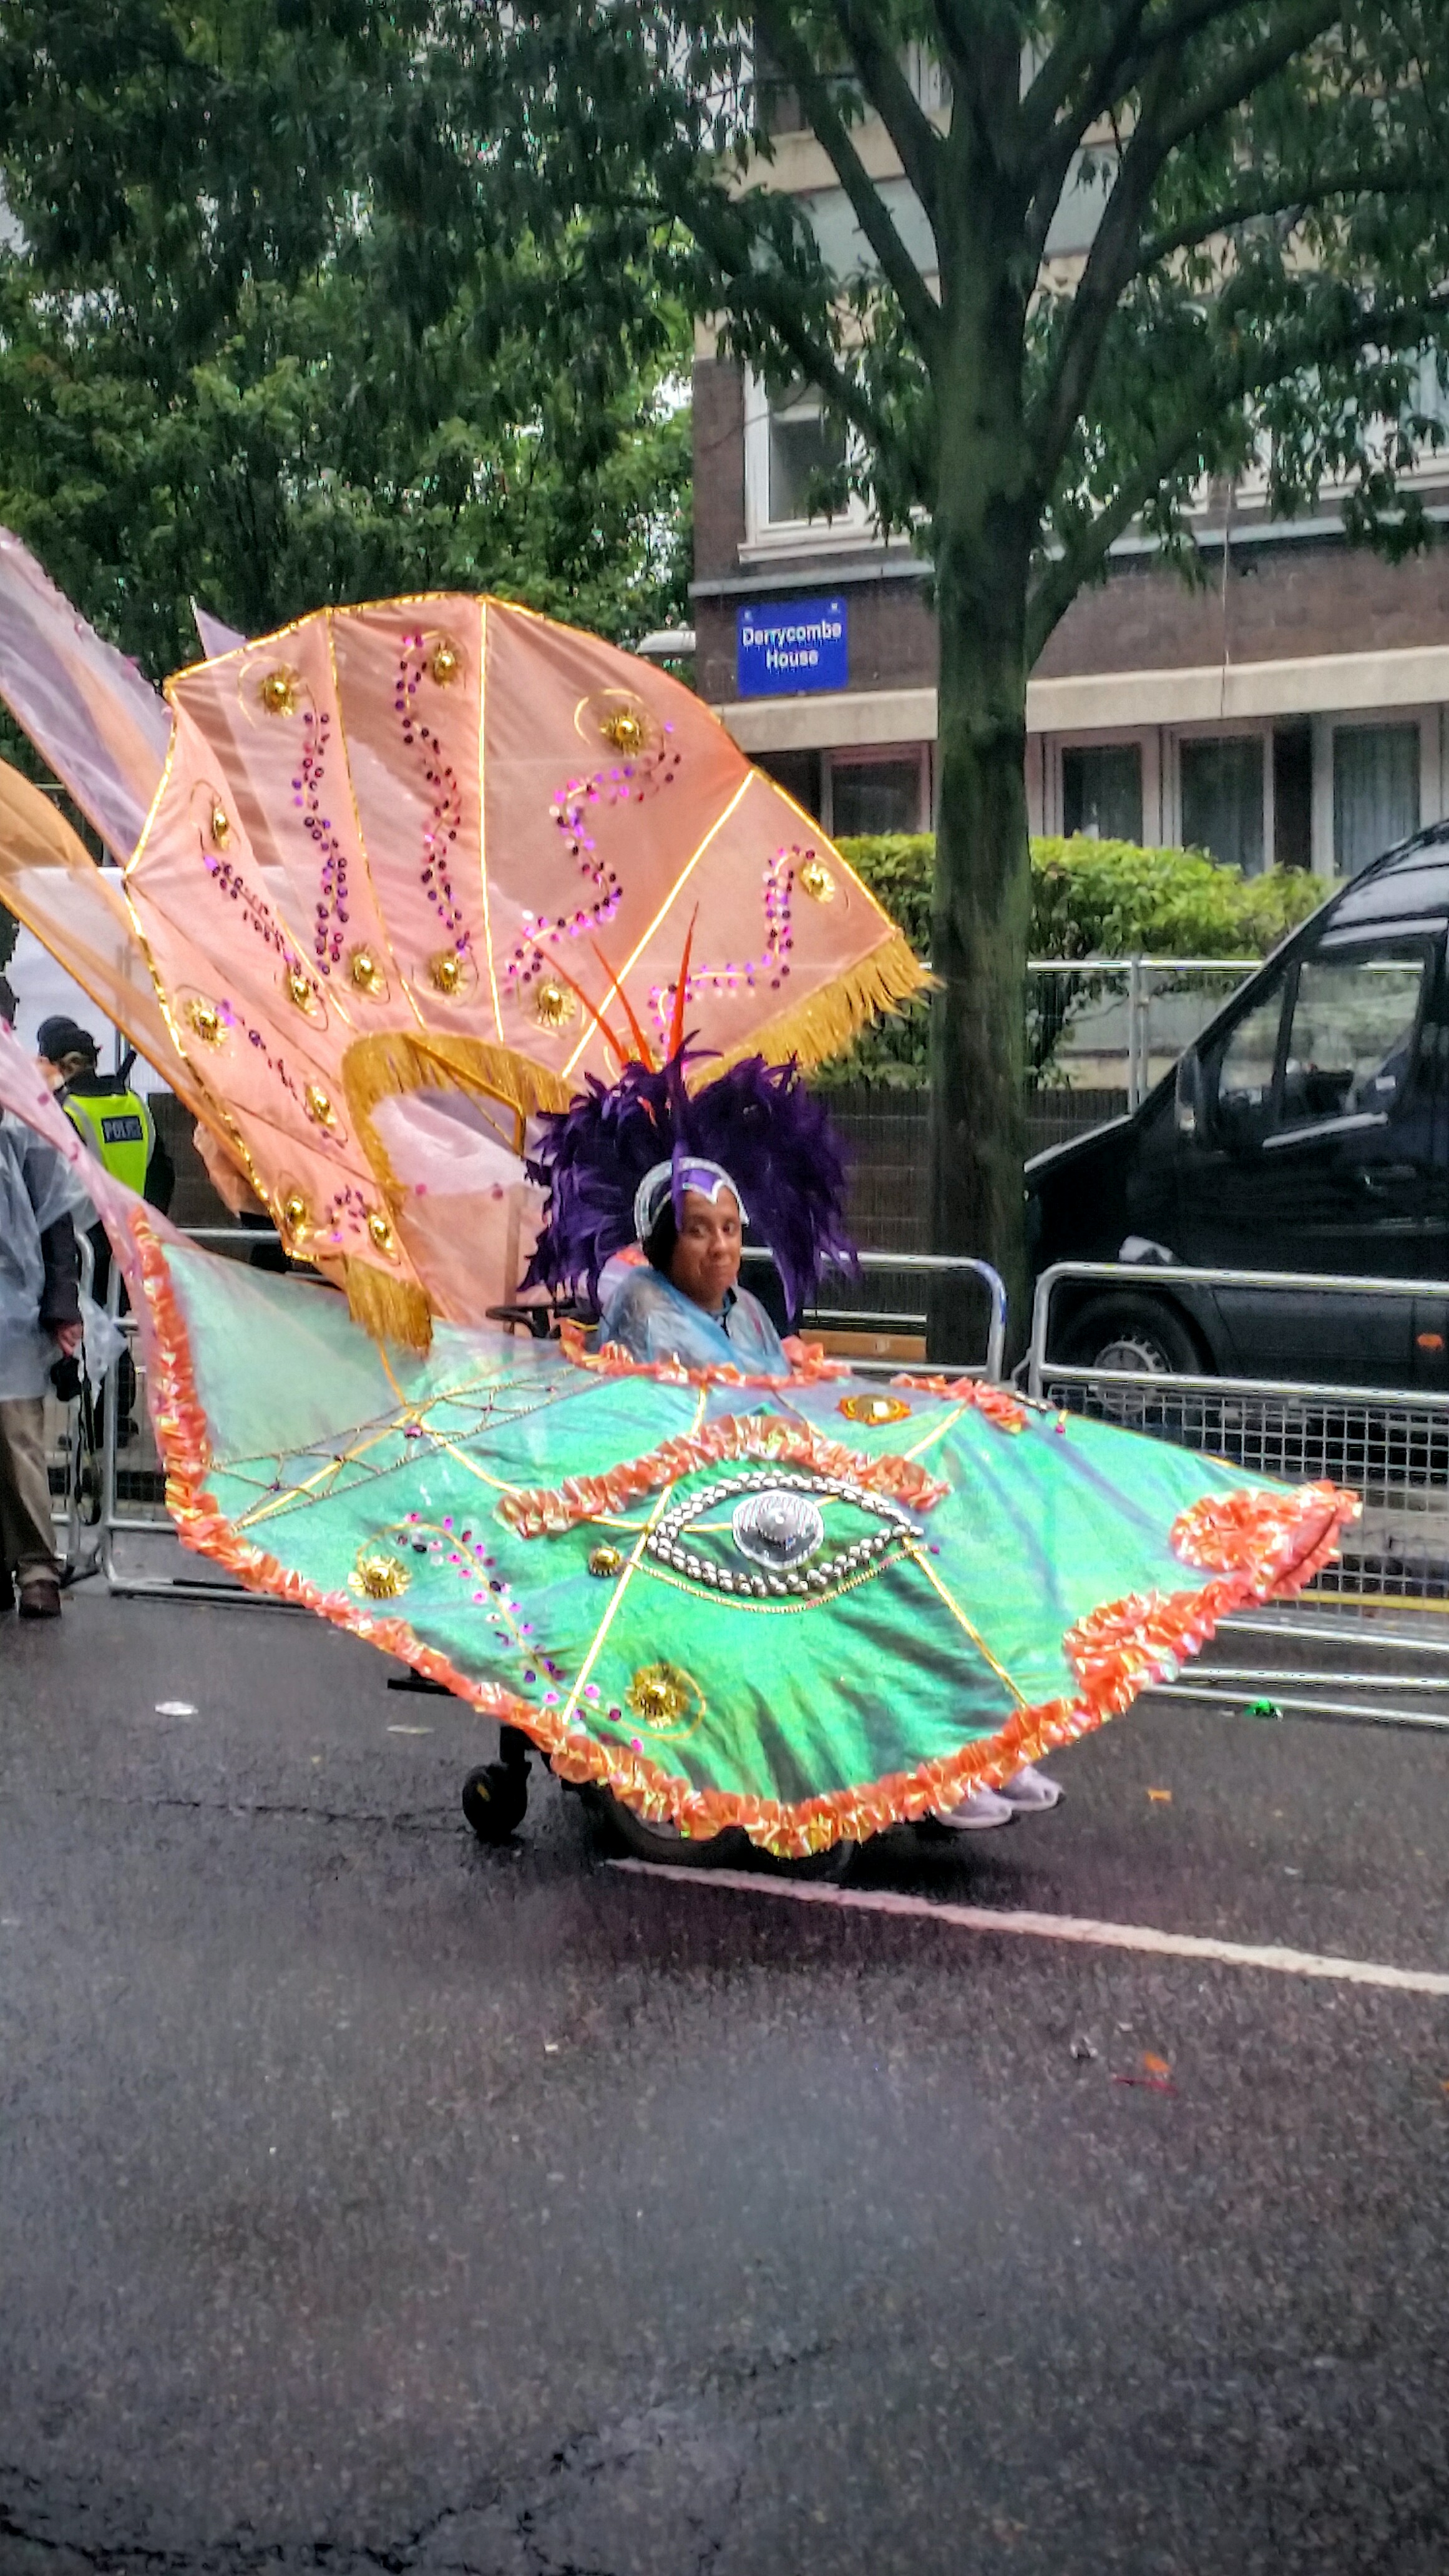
point(757, 1121)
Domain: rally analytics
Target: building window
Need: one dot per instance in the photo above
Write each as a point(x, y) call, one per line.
point(1221, 781)
point(1102, 791)
point(875, 795)
point(803, 445)
point(798, 772)
point(1293, 795)
point(1375, 791)
point(776, 105)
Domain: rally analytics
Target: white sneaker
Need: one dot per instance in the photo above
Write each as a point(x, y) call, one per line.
point(1030, 1792)
point(978, 1813)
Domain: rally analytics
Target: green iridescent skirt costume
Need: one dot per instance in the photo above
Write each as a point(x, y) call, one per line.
point(810, 1608)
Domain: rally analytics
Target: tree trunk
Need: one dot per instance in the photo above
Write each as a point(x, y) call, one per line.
point(982, 906)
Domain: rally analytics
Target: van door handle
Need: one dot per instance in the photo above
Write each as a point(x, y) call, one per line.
point(1389, 1176)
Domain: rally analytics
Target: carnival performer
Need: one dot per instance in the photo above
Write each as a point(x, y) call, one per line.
point(682, 1302)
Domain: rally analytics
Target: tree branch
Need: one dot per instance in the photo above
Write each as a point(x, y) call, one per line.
point(1066, 574)
point(830, 130)
point(1109, 266)
point(1281, 200)
point(895, 102)
point(1114, 256)
point(1209, 388)
point(1121, 67)
point(1072, 60)
point(706, 215)
point(1250, 72)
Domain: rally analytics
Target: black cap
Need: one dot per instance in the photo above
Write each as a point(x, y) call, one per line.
point(59, 1037)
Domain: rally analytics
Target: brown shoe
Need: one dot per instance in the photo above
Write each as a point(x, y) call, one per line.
point(39, 1597)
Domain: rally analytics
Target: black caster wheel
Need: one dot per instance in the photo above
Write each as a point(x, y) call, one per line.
point(495, 1800)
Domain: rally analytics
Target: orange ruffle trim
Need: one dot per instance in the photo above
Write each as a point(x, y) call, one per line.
point(997, 1402)
point(770, 1437)
point(1267, 1547)
point(808, 1364)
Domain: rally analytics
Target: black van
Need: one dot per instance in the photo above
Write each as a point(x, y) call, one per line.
point(1307, 1129)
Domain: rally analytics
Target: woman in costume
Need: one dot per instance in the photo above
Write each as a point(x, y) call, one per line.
point(686, 1214)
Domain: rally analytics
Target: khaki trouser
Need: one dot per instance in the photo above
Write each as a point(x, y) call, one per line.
point(26, 1536)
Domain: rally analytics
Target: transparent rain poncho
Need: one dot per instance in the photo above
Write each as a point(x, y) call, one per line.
point(36, 1188)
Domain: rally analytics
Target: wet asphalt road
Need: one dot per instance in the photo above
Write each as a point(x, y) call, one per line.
point(369, 2200)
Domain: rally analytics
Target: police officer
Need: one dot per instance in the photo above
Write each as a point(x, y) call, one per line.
point(118, 1127)
point(109, 1117)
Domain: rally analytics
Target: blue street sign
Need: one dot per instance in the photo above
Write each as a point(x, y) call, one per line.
point(791, 645)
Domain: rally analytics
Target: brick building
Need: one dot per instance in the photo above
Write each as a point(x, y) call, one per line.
point(1293, 706)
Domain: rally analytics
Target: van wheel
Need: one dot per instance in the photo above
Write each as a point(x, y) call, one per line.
point(1140, 1333)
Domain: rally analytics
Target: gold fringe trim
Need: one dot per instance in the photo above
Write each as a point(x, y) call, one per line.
point(416, 1060)
point(391, 1310)
point(407, 1060)
point(825, 1022)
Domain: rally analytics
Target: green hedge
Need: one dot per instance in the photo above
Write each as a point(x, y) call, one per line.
point(1089, 899)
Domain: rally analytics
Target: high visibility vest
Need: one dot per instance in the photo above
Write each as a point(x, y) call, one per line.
point(118, 1128)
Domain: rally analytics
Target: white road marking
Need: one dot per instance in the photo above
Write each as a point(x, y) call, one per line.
point(1058, 1927)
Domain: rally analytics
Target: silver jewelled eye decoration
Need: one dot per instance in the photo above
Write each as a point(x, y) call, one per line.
point(778, 1528)
point(778, 1525)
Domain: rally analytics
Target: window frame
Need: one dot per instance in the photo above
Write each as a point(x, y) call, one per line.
point(1276, 1137)
point(1222, 729)
point(1050, 787)
point(844, 531)
point(876, 755)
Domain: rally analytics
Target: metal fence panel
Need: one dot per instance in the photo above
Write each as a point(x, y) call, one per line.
point(1390, 1446)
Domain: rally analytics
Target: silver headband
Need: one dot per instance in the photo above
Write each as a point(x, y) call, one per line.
point(658, 1185)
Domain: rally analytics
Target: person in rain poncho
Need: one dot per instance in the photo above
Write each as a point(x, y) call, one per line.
point(40, 1321)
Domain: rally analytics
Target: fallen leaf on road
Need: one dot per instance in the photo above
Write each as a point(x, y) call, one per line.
point(1155, 2065)
point(1160, 1797)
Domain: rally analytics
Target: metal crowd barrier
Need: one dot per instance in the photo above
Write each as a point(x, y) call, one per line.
point(131, 1473)
point(132, 1482)
point(1136, 979)
point(1325, 1655)
point(892, 1321)
point(68, 1458)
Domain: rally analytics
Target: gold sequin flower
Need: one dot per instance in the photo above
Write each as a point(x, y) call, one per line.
point(378, 1575)
point(554, 1006)
point(874, 1408)
point(207, 1021)
point(626, 729)
point(280, 691)
point(661, 1696)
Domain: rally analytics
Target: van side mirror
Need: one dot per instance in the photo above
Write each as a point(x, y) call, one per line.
point(1191, 1094)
